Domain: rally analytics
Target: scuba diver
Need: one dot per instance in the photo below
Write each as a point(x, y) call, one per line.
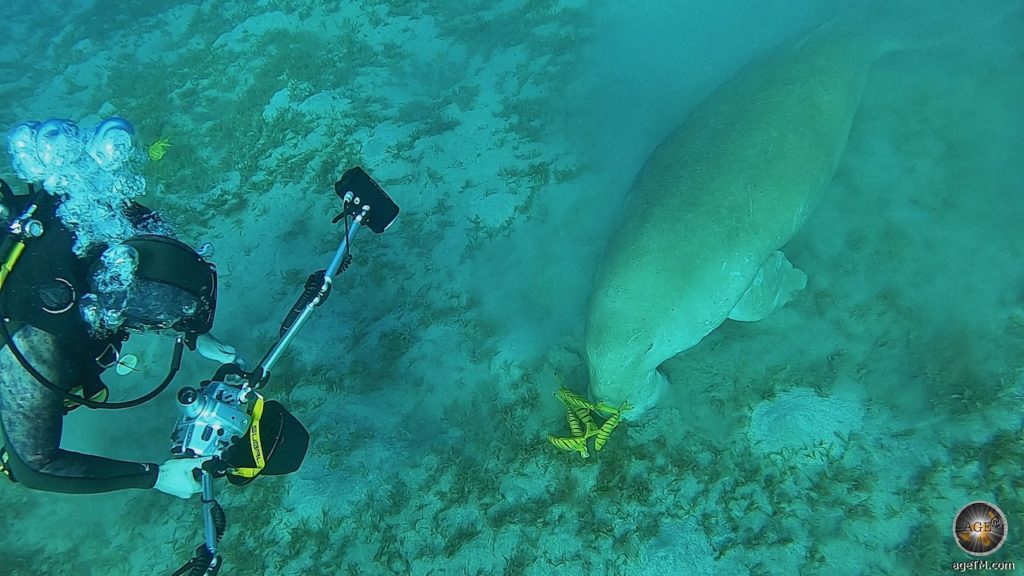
point(82, 266)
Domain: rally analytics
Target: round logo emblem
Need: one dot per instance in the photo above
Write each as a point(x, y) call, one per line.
point(979, 528)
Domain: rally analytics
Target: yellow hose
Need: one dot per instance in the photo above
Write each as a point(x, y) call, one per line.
point(10, 261)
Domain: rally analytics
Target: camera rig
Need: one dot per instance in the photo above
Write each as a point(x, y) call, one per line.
point(228, 423)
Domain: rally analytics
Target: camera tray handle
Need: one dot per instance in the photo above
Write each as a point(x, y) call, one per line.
point(368, 205)
point(206, 561)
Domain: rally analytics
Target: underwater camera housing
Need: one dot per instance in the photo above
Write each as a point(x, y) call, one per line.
point(213, 417)
point(226, 419)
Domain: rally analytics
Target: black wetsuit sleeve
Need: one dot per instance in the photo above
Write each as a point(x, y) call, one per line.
point(31, 421)
point(76, 473)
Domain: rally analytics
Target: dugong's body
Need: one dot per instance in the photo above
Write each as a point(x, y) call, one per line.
point(703, 223)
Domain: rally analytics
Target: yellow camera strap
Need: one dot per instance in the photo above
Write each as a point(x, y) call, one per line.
point(255, 443)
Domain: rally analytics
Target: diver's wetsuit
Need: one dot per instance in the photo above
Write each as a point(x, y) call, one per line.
point(40, 300)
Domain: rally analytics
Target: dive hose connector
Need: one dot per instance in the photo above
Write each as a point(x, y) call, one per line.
point(27, 228)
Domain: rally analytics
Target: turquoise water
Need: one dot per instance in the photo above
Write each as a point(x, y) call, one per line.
point(840, 435)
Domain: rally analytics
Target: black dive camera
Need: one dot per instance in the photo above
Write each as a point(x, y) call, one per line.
point(227, 420)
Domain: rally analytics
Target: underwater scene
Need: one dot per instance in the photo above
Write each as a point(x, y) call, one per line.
point(675, 287)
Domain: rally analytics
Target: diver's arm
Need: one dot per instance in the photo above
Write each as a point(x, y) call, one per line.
point(31, 420)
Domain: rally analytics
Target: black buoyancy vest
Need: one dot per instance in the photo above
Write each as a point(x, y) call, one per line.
point(45, 288)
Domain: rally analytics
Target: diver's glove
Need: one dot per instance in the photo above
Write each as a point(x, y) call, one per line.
point(213, 349)
point(177, 477)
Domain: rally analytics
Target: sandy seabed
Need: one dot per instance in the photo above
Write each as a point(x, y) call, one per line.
point(838, 436)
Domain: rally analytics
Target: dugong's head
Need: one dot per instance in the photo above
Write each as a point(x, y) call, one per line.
point(623, 371)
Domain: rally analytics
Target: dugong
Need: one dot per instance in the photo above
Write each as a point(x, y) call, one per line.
point(703, 224)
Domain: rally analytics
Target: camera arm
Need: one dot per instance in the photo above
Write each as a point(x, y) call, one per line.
point(317, 290)
point(368, 205)
point(206, 561)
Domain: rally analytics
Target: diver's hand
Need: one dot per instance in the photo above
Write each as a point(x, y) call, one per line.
point(176, 477)
point(211, 348)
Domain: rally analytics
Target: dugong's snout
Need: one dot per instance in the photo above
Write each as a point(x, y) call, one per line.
point(640, 390)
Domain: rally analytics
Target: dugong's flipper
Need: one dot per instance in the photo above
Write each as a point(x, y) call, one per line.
point(773, 286)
